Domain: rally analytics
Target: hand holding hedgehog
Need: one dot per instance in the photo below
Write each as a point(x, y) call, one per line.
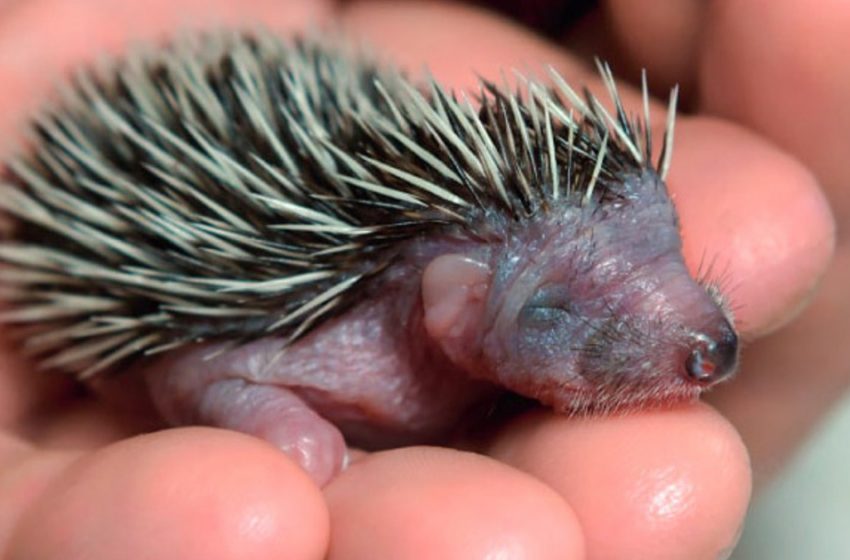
point(471, 269)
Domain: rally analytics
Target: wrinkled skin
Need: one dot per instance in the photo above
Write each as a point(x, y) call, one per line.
point(595, 310)
point(76, 484)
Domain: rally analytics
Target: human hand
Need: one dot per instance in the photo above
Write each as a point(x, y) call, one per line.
point(670, 484)
point(788, 83)
point(784, 83)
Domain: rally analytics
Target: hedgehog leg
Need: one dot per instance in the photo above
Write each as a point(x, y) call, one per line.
point(270, 412)
point(371, 373)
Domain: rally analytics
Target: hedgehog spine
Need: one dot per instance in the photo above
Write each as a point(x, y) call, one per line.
point(237, 186)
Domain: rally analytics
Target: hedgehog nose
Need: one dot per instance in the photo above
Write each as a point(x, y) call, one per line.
point(713, 358)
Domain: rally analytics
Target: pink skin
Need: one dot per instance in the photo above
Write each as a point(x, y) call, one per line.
point(365, 374)
point(74, 504)
point(657, 494)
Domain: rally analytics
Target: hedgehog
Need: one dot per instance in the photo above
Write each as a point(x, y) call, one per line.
point(293, 239)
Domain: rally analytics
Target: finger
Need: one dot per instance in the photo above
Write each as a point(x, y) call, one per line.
point(41, 40)
point(6, 6)
point(783, 83)
point(671, 484)
point(439, 503)
point(190, 493)
point(25, 473)
point(754, 220)
point(660, 36)
point(666, 37)
point(790, 380)
point(788, 81)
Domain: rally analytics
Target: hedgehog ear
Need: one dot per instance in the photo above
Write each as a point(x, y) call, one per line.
point(454, 293)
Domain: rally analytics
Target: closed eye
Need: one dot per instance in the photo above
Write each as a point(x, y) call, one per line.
point(548, 306)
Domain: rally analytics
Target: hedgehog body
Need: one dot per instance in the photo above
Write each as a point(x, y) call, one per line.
point(390, 251)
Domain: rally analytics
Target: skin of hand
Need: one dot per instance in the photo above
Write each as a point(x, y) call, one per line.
point(77, 481)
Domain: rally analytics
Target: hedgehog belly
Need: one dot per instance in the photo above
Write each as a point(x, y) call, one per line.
point(366, 375)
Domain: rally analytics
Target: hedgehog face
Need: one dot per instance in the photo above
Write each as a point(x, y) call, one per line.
point(589, 309)
point(638, 339)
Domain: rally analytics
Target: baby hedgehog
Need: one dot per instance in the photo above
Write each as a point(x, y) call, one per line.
point(288, 239)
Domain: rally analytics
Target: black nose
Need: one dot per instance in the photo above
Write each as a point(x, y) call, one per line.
point(713, 358)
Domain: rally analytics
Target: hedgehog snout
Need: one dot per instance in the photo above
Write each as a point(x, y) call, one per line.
point(713, 357)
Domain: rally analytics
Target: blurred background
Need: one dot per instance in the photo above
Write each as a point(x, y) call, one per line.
point(805, 512)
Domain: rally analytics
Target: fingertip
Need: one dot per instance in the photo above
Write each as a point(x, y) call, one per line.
point(187, 493)
point(753, 214)
point(25, 475)
point(439, 503)
point(666, 484)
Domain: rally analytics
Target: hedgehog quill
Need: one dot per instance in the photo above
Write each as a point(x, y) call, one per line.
point(291, 240)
